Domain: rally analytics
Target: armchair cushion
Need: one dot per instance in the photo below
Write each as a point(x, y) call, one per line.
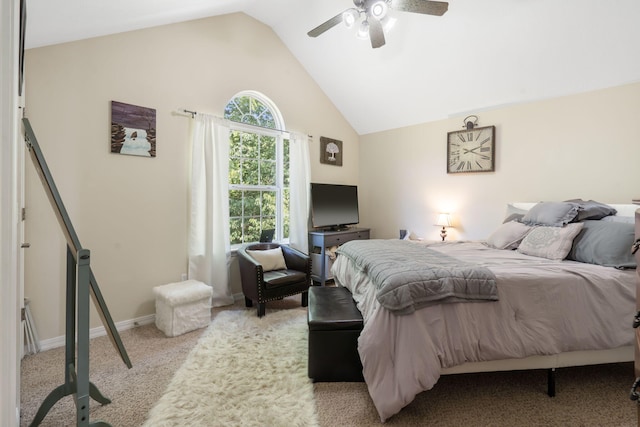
point(283, 277)
point(270, 259)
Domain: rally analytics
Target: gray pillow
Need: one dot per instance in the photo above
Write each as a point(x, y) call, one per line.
point(590, 209)
point(605, 243)
point(554, 214)
point(550, 242)
point(616, 218)
point(508, 235)
point(513, 214)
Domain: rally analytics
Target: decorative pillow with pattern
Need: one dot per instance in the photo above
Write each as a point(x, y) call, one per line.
point(550, 242)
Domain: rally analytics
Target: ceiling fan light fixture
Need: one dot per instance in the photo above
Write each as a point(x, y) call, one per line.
point(378, 10)
point(374, 18)
point(349, 17)
point(363, 30)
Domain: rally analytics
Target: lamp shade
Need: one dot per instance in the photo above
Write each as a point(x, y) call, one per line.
point(378, 10)
point(444, 220)
point(363, 30)
point(349, 17)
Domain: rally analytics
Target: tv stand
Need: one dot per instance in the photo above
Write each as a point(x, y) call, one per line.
point(325, 239)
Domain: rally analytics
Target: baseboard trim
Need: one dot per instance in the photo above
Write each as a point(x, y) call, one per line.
point(100, 331)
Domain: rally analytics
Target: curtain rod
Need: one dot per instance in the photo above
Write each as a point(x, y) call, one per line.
point(194, 113)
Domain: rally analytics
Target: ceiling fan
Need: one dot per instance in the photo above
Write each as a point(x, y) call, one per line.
point(375, 16)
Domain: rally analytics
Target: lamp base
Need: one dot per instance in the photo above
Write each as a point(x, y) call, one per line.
point(443, 233)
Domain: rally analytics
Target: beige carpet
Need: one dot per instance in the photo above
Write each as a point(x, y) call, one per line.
point(587, 396)
point(155, 359)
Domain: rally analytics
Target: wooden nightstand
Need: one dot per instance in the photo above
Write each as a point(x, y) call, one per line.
point(326, 239)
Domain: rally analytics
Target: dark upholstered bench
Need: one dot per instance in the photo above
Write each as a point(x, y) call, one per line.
point(334, 327)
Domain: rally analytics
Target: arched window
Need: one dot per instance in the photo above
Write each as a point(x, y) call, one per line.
point(258, 169)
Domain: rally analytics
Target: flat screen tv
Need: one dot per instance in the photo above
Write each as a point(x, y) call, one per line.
point(334, 206)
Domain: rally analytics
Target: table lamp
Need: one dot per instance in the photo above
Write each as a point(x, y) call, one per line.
point(444, 221)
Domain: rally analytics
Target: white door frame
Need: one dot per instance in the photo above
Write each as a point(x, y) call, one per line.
point(10, 170)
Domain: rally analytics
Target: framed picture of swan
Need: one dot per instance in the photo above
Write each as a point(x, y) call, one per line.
point(133, 130)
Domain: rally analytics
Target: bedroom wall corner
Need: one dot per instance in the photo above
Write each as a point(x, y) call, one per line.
point(132, 212)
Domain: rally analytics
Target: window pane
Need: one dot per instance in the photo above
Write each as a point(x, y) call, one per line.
point(235, 144)
point(235, 230)
point(232, 111)
point(235, 203)
point(285, 162)
point(269, 203)
point(250, 172)
point(234, 171)
point(268, 147)
point(246, 109)
point(252, 230)
point(269, 223)
point(249, 145)
point(266, 119)
point(251, 203)
point(267, 172)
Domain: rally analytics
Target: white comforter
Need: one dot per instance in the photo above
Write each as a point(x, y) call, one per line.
point(545, 307)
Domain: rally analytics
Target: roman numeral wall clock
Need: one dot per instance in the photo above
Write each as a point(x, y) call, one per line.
point(471, 149)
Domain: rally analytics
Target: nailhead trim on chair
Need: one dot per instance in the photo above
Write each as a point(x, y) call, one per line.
point(282, 296)
point(261, 299)
point(260, 274)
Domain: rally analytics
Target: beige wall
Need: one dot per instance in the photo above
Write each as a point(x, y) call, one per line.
point(582, 146)
point(131, 212)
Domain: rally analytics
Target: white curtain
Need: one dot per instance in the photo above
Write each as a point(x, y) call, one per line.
point(299, 181)
point(209, 249)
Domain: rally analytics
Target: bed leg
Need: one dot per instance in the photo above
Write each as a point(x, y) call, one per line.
point(551, 382)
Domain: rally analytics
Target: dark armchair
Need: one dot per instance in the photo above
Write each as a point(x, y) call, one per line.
point(262, 286)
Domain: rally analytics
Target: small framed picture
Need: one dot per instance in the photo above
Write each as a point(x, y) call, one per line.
point(330, 151)
point(133, 130)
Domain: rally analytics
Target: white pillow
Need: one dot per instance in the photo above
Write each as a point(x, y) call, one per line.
point(550, 242)
point(508, 235)
point(270, 259)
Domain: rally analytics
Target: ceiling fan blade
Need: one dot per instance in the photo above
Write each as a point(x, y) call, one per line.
point(427, 7)
point(376, 34)
point(326, 25)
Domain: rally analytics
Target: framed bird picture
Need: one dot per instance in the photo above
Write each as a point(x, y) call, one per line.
point(133, 130)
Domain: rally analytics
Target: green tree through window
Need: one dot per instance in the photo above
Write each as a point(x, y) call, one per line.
point(258, 169)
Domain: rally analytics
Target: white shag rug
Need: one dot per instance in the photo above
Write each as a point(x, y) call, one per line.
point(244, 371)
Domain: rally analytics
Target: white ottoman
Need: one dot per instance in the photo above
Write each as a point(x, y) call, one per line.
point(182, 307)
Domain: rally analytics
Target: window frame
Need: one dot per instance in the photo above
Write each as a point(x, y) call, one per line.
point(279, 188)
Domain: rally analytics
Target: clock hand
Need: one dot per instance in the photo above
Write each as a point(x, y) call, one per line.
point(477, 154)
point(471, 151)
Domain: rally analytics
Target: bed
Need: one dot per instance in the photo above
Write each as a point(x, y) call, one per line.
point(515, 301)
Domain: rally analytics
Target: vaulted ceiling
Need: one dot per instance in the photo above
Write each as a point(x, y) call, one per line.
point(481, 54)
